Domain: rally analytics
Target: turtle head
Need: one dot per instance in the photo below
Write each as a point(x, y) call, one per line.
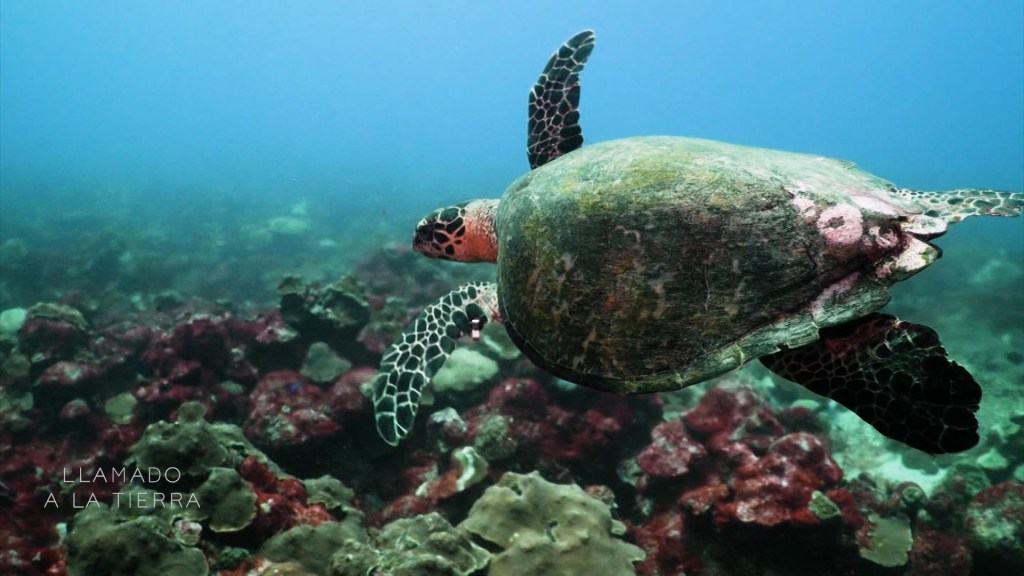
point(463, 232)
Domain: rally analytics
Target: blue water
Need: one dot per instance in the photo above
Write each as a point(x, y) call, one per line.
point(176, 131)
point(402, 105)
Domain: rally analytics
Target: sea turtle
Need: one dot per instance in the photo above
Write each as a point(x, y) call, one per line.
point(652, 263)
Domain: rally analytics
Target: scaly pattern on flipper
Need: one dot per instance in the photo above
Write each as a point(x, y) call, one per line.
point(554, 127)
point(410, 363)
point(955, 205)
point(895, 375)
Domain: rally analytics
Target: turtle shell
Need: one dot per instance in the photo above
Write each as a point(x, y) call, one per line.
point(652, 263)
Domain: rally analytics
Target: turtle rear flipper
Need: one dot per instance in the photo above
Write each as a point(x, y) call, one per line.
point(955, 205)
point(410, 363)
point(895, 375)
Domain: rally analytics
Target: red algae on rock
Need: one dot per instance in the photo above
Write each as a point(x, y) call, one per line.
point(281, 502)
point(938, 553)
point(995, 526)
point(670, 452)
point(777, 487)
point(662, 536)
point(749, 469)
point(287, 411)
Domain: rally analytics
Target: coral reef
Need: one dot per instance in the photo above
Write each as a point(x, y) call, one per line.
point(465, 370)
point(995, 527)
point(212, 486)
point(322, 365)
point(737, 463)
point(101, 542)
point(546, 528)
point(258, 420)
point(333, 314)
point(420, 545)
point(306, 417)
point(313, 547)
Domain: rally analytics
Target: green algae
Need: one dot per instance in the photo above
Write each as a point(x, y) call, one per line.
point(424, 545)
point(492, 440)
point(312, 546)
point(120, 408)
point(546, 528)
point(822, 507)
point(226, 501)
point(890, 541)
point(193, 445)
point(322, 364)
point(102, 542)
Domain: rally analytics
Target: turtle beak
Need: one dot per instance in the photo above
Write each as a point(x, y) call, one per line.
point(423, 236)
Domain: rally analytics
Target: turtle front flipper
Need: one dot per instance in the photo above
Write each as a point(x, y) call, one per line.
point(895, 375)
point(410, 363)
point(554, 127)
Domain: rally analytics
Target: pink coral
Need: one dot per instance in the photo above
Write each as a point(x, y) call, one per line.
point(281, 501)
point(558, 434)
point(995, 527)
point(345, 397)
point(662, 536)
point(205, 339)
point(53, 338)
point(34, 468)
point(420, 467)
point(730, 457)
point(937, 553)
point(67, 373)
point(725, 414)
point(288, 411)
point(777, 487)
point(671, 451)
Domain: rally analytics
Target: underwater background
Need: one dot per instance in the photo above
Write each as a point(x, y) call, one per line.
point(205, 217)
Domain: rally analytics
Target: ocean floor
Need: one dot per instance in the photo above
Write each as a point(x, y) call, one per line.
point(197, 404)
